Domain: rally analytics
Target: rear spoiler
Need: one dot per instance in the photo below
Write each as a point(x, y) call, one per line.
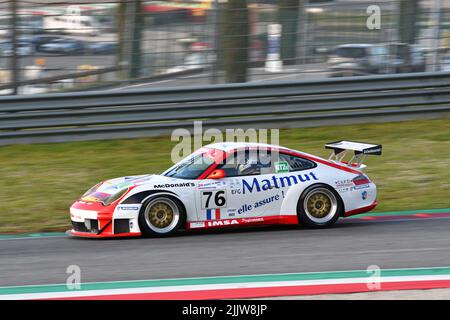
point(360, 151)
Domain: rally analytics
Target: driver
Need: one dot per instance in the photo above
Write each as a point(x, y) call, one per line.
point(249, 168)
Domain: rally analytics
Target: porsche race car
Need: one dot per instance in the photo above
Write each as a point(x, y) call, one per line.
point(231, 184)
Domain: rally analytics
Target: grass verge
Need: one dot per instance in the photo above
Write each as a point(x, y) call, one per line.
point(39, 182)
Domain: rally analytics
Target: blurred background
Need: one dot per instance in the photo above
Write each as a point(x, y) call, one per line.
point(60, 46)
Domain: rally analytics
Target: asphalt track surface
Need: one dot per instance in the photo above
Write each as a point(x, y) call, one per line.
point(349, 245)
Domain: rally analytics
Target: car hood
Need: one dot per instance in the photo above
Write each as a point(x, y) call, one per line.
point(149, 180)
point(106, 190)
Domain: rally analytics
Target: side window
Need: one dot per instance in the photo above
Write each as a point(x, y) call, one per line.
point(295, 163)
point(248, 163)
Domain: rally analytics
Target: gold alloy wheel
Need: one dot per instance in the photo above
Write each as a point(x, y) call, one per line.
point(160, 215)
point(319, 205)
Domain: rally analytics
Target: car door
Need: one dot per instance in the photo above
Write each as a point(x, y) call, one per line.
point(237, 195)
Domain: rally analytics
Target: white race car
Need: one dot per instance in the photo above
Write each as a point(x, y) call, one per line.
point(231, 184)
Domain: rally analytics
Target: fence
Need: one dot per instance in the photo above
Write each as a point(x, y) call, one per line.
point(148, 39)
point(137, 113)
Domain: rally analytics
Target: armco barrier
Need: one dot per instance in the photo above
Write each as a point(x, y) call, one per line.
point(137, 113)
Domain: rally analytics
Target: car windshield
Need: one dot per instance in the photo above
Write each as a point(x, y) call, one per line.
point(191, 167)
point(351, 52)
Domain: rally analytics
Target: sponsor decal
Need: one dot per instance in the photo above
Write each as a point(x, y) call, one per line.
point(375, 150)
point(267, 201)
point(363, 186)
point(231, 212)
point(281, 167)
point(211, 185)
point(75, 217)
point(230, 222)
point(235, 186)
point(217, 223)
point(250, 220)
point(234, 183)
point(236, 191)
point(364, 195)
point(255, 185)
point(248, 207)
point(344, 183)
point(128, 208)
point(245, 208)
point(194, 225)
point(175, 185)
point(213, 214)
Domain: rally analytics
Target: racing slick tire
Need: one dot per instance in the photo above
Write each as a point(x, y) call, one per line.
point(161, 215)
point(319, 206)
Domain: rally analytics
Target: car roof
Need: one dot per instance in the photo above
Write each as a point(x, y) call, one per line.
point(355, 45)
point(230, 146)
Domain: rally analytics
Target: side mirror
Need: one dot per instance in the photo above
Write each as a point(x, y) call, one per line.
point(217, 174)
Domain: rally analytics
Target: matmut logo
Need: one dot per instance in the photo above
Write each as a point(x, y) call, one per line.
point(276, 182)
point(217, 223)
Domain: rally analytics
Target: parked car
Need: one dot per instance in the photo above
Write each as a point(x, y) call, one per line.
point(67, 46)
point(23, 49)
point(41, 39)
point(102, 48)
point(195, 60)
point(406, 58)
point(358, 59)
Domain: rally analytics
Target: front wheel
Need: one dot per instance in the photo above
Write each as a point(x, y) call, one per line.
point(161, 216)
point(319, 207)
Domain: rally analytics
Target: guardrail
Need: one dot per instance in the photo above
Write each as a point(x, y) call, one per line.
point(137, 113)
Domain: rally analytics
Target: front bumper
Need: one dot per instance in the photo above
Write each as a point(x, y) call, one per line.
point(93, 220)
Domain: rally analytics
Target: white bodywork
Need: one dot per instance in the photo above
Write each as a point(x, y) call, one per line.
point(246, 197)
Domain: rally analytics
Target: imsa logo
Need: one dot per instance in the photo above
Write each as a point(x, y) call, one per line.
point(218, 223)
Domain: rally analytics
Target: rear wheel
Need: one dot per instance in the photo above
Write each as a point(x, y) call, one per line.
point(161, 216)
point(319, 207)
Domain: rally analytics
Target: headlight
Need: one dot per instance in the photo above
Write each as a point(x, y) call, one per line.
point(114, 197)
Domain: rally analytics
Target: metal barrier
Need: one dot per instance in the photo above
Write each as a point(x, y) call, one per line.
point(138, 113)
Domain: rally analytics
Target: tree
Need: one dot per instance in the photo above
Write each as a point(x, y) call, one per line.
point(120, 20)
point(288, 17)
point(235, 40)
point(409, 11)
point(136, 44)
point(130, 19)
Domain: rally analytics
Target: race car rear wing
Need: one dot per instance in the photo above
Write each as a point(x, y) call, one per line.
point(361, 150)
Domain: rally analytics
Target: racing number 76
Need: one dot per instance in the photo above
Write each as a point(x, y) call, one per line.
point(217, 198)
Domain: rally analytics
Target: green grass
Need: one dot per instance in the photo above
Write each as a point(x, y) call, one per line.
point(39, 182)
